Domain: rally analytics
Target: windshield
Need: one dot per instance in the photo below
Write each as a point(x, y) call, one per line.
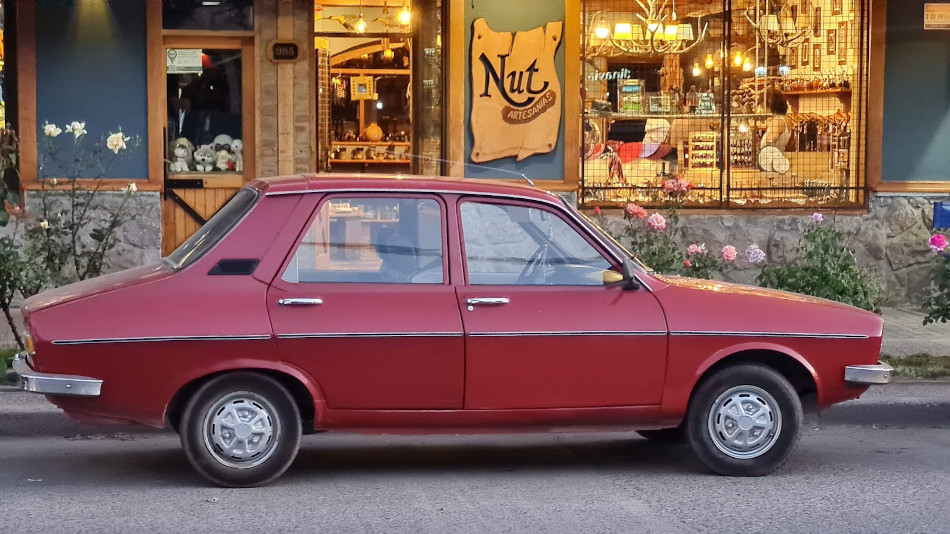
point(217, 227)
point(618, 248)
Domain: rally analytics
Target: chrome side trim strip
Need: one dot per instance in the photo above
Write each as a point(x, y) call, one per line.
point(363, 335)
point(574, 333)
point(868, 374)
point(157, 339)
point(768, 334)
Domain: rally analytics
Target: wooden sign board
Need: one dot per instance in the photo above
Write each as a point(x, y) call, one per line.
point(516, 94)
point(283, 51)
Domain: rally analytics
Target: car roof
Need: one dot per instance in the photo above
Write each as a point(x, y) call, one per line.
point(303, 183)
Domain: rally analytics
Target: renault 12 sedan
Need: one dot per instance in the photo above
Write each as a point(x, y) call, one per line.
point(385, 304)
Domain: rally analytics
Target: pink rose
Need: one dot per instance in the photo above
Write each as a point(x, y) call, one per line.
point(657, 222)
point(17, 210)
point(636, 212)
point(596, 210)
point(696, 249)
point(817, 217)
point(729, 253)
point(938, 242)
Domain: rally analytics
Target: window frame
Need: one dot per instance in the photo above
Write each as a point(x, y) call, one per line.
point(349, 195)
point(556, 212)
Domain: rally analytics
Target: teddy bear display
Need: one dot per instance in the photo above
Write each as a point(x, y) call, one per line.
point(224, 160)
point(205, 158)
point(182, 156)
point(222, 142)
point(237, 149)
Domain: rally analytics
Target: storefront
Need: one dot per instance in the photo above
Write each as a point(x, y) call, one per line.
point(765, 107)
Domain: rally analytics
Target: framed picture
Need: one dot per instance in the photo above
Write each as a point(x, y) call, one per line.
point(845, 43)
point(792, 58)
point(362, 88)
point(836, 7)
point(816, 22)
point(832, 43)
point(806, 49)
point(816, 58)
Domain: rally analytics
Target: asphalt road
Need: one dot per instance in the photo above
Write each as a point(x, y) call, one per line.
point(880, 464)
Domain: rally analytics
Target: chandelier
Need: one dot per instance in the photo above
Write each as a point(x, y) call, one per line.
point(776, 27)
point(656, 31)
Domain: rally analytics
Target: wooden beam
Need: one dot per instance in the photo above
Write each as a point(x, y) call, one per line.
point(157, 95)
point(455, 89)
point(573, 106)
point(26, 97)
point(875, 95)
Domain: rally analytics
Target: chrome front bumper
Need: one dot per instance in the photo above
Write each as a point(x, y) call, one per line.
point(868, 374)
point(50, 384)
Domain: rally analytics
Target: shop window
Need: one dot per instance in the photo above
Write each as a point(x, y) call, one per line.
point(204, 111)
point(755, 106)
point(380, 97)
point(372, 240)
point(198, 15)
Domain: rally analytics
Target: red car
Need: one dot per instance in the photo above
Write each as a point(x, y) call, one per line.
point(384, 304)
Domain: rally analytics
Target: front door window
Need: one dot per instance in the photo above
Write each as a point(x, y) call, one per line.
point(518, 245)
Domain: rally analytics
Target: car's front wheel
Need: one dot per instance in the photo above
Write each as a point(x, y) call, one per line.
point(241, 429)
point(744, 420)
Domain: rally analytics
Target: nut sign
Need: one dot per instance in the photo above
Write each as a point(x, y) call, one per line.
point(516, 95)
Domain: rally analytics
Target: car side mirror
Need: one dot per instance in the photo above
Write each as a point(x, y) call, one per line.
point(626, 280)
point(630, 281)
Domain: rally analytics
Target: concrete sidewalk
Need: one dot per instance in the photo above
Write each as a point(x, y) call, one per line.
point(904, 334)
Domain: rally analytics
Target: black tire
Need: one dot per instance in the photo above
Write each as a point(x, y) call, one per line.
point(770, 437)
point(264, 438)
point(665, 435)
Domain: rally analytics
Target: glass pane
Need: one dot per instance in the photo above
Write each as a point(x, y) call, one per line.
point(752, 106)
point(203, 15)
point(372, 240)
point(205, 100)
point(515, 245)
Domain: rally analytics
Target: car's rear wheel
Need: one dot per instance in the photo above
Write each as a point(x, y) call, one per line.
point(745, 420)
point(241, 429)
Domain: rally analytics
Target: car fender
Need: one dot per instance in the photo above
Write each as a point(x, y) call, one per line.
point(676, 399)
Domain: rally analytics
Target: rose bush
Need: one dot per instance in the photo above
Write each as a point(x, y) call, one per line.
point(937, 305)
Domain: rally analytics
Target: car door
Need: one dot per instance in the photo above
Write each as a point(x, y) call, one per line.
point(542, 330)
point(364, 305)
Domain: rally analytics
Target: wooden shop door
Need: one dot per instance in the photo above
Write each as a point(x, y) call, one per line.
point(209, 128)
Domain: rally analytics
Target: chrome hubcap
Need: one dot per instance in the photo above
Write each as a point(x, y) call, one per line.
point(241, 430)
point(744, 422)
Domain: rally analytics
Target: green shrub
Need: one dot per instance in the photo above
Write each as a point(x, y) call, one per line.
point(823, 266)
point(937, 305)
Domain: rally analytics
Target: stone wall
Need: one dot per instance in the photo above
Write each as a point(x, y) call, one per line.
point(891, 239)
point(140, 240)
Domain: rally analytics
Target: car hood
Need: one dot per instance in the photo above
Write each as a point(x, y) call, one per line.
point(700, 305)
point(98, 285)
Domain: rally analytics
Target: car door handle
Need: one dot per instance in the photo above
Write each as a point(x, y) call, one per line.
point(300, 302)
point(488, 301)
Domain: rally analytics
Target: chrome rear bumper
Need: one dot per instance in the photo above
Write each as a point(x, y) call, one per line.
point(868, 374)
point(51, 384)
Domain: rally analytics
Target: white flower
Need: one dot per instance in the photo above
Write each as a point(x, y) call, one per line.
point(116, 141)
point(51, 130)
point(44, 224)
point(54, 181)
point(131, 188)
point(77, 128)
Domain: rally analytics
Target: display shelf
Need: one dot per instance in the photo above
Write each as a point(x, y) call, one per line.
point(819, 92)
point(371, 143)
point(370, 161)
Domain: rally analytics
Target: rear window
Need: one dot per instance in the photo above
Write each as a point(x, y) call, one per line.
point(217, 227)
